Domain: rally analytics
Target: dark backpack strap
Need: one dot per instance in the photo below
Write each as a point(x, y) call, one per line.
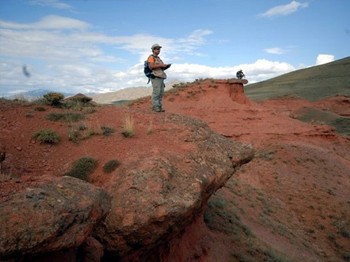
point(149, 79)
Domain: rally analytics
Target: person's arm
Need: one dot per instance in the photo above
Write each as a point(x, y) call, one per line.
point(167, 66)
point(154, 66)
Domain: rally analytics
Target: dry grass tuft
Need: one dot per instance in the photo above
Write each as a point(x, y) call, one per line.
point(128, 129)
point(150, 128)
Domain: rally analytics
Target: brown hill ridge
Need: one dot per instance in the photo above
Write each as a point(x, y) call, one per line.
point(288, 202)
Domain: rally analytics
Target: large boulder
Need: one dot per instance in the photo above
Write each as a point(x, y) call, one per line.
point(52, 215)
point(156, 197)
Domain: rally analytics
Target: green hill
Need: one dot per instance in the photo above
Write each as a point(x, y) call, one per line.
point(311, 83)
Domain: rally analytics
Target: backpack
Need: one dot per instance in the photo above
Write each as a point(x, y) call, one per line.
point(147, 71)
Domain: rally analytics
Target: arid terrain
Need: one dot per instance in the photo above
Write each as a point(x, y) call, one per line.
point(290, 202)
point(293, 197)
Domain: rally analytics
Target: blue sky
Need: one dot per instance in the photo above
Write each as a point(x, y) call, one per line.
point(100, 45)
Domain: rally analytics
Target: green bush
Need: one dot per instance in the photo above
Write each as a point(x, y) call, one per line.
point(82, 99)
point(111, 165)
point(53, 99)
point(79, 105)
point(74, 135)
point(46, 136)
point(79, 132)
point(40, 108)
point(82, 127)
point(65, 117)
point(106, 131)
point(82, 168)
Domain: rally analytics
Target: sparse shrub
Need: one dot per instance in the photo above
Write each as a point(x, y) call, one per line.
point(111, 165)
point(88, 110)
point(81, 99)
point(346, 256)
point(87, 131)
point(29, 114)
point(74, 135)
point(266, 154)
point(82, 168)
point(128, 127)
point(331, 192)
point(90, 132)
point(331, 237)
point(46, 136)
point(40, 109)
point(106, 131)
point(82, 127)
point(345, 233)
point(65, 117)
point(53, 99)
point(80, 132)
point(71, 104)
point(180, 85)
point(79, 104)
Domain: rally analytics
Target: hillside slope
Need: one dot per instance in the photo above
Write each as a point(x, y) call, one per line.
point(312, 83)
point(291, 202)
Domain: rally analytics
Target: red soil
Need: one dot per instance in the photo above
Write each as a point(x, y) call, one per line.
point(293, 197)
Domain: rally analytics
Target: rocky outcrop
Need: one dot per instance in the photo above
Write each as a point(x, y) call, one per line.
point(236, 90)
point(57, 214)
point(155, 198)
point(149, 200)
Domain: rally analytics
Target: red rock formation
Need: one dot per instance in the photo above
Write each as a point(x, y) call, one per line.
point(51, 215)
point(156, 197)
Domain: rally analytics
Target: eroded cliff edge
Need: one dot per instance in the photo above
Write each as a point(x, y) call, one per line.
point(151, 198)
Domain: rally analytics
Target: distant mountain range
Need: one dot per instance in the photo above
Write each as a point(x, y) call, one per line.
point(128, 93)
point(35, 94)
point(104, 98)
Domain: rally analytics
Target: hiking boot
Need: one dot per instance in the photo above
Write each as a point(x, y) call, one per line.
point(157, 109)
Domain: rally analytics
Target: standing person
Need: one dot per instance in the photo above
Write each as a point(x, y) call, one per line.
point(157, 66)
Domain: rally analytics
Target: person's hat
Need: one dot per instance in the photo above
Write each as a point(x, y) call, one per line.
point(155, 46)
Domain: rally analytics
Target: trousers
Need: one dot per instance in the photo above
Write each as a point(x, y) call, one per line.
point(158, 92)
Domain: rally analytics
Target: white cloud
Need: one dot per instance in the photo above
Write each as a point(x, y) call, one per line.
point(190, 43)
point(275, 50)
point(80, 77)
point(51, 3)
point(324, 58)
point(41, 40)
point(65, 55)
point(282, 10)
point(261, 69)
point(49, 46)
point(48, 22)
